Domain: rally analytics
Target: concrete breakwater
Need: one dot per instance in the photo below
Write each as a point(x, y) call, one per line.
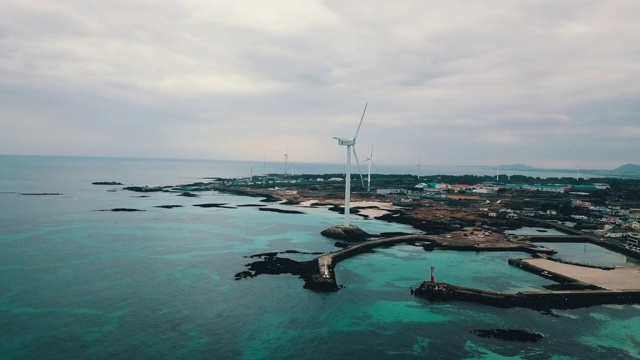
point(538, 300)
point(325, 278)
point(581, 287)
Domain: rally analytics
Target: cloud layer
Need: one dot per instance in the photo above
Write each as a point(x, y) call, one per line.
point(549, 84)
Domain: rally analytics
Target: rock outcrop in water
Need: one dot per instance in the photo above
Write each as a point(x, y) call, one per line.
point(282, 211)
point(344, 232)
point(274, 265)
point(215, 205)
point(144, 189)
point(122, 210)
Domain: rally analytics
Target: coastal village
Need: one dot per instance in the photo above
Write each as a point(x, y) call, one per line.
point(607, 208)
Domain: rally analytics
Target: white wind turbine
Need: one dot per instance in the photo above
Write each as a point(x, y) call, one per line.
point(370, 160)
point(286, 157)
point(350, 144)
point(419, 167)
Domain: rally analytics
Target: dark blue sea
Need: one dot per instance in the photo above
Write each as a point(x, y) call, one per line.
point(80, 283)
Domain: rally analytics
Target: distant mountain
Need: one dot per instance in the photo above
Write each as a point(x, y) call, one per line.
point(629, 169)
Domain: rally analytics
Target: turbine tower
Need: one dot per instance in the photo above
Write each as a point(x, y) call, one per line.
point(419, 167)
point(370, 160)
point(350, 144)
point(286, 156)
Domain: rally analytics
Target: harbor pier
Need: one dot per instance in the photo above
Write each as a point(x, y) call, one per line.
point(580, 286)
point(325, 279)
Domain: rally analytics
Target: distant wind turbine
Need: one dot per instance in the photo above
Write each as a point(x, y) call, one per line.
point(350, 144)
point(286, 157)
point(577, 173)
point(370, 160)
point(419, 166)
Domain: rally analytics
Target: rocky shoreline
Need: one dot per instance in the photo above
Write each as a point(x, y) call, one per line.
point(446, 225)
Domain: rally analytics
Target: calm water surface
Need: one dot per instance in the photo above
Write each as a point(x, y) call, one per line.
point(156, 284)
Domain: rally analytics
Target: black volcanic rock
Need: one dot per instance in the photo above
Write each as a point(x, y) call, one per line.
point(41, 194)
point(273, 254)
point(342, 232)
point(168, 206)
point(269, 198)
point(122, 210)
point(282, 211)
point(214, 205)
point(291, 202)
point(273, 265)
point(106, 183)
point(144, 189)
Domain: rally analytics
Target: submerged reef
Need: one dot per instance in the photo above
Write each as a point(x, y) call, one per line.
point(509, 334)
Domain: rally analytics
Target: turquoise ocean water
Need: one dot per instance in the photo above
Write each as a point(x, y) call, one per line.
point(77, 283)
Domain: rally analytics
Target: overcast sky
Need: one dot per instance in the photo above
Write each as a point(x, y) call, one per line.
point(544, 83)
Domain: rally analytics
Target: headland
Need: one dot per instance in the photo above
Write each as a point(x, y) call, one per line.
point(467, 213)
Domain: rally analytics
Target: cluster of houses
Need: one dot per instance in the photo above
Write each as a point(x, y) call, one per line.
point(491, 188)
point(615, 221)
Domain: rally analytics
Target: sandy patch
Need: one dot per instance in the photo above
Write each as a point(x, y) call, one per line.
point(308, 203)
point(378, 204)
point(381, 208)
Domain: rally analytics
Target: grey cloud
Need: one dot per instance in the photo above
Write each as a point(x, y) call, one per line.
point(456, 82)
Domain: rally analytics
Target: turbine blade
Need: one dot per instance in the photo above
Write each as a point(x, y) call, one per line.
point(355, 154)
point(371, 156)
point(362, 118)
point(374, 165)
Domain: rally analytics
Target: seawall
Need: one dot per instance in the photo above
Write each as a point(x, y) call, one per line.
point(539, 300)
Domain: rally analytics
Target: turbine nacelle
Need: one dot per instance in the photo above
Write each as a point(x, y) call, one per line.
point(345, 142)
